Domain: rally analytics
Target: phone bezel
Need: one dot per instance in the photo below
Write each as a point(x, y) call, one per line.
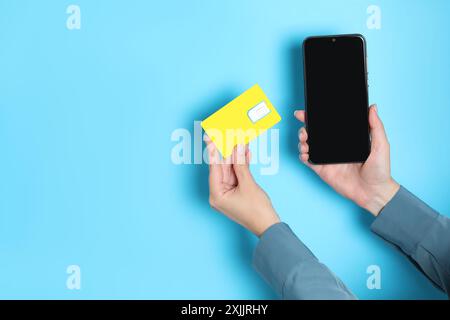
point(337, 36)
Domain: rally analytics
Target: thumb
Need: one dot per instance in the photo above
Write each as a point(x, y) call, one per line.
point(377, 133)
point(240, 163)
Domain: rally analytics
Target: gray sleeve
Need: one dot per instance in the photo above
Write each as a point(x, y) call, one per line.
point(292, 270)
point(420, 232)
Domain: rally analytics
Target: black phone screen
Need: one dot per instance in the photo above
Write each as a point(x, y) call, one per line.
point(336, 99)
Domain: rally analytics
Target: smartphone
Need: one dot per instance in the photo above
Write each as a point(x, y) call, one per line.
point(336, 98)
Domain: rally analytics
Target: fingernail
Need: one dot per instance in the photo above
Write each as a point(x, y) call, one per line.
point(295, 112)
point(375, 108)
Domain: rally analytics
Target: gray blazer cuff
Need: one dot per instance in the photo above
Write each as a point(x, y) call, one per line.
point(278, 252)
point(404, 221)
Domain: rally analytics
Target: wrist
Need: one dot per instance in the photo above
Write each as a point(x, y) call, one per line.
point(381, 196)
point(265, 223)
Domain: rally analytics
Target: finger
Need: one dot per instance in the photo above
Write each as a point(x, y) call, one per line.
point(208, 141)
point(214, 157)
point(303, 134)
point(213, 154)
point(240, 164)
point(304, 157)
point(228, 175)
point(248, 154)
point(304, 148)
point(377, 132)
point(215, 169)
point(206, 138)
point(300, 115)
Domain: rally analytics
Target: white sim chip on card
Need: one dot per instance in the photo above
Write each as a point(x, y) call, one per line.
point(258, 112)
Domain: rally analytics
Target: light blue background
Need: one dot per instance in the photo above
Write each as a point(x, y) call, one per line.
point(86, 118)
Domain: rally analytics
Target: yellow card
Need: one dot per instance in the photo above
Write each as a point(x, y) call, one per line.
point(241, 120)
